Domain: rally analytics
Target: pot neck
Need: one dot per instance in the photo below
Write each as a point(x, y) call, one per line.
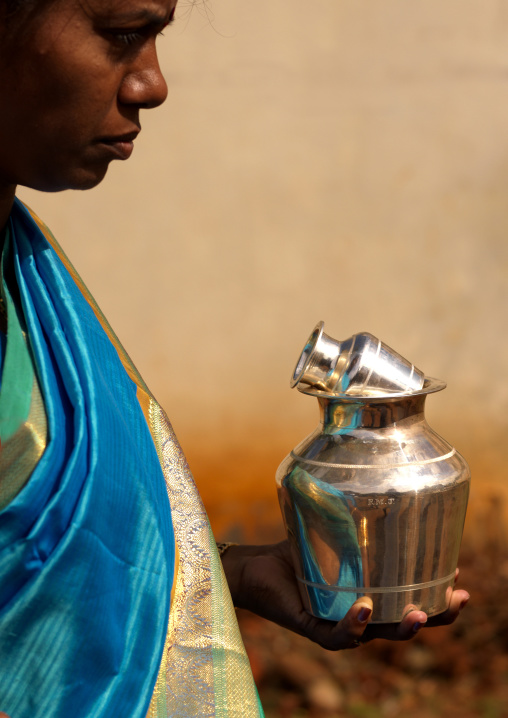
point(339, 416)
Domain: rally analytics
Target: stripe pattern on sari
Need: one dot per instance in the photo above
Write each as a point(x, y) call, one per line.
point(204, 669)
point(86, 545)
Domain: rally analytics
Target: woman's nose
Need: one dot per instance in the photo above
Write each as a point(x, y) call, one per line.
point(144, 85)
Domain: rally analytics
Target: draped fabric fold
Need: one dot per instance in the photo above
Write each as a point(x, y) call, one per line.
point(106, 530)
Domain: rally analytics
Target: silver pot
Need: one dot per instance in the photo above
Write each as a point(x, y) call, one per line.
point(374, 501)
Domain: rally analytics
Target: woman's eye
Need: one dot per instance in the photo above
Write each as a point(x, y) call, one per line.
point(129, 38)
point(124, 37)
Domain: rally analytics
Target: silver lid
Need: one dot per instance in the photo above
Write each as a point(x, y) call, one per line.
point(359, 366)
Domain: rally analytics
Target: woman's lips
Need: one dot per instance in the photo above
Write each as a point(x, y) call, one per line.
point(121, 147)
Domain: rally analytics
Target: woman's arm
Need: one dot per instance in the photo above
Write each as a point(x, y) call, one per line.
point(262, 580)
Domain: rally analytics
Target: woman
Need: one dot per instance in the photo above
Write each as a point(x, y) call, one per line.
point(112, 600)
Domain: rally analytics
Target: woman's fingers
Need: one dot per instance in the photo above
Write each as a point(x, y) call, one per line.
point(346, 633)
point(458, 599)
point(412, 621)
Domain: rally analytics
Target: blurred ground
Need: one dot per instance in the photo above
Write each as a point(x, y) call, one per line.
point(459, 670)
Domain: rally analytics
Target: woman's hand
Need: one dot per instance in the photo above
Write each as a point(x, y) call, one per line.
point(262, 580)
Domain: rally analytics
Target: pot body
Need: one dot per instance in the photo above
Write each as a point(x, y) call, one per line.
point(374, 503)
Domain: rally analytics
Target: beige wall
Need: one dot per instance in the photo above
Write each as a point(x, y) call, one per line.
point(341, 160)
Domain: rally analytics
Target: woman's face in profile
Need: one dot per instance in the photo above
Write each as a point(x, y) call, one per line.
point(72, 84)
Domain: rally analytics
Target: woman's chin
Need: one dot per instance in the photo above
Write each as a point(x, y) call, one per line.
point(81, 179)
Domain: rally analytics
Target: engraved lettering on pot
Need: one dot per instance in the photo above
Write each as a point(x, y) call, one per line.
point(378, 501)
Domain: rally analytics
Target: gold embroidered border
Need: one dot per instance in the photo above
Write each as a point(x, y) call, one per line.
point(206, 670)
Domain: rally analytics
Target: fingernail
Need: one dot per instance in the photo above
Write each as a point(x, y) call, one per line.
point(364, 614)
point(416, 627)
point(464, 602)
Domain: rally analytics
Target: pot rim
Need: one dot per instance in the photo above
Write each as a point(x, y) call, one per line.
point(430, 386)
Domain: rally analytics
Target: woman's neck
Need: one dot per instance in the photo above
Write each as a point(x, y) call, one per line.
point(7, 193)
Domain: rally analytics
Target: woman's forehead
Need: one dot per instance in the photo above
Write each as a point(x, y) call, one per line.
point(29, 10)
point(129, 9)
point(53, 17)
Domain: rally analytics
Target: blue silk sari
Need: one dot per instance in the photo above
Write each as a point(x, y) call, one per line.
point(112, 597)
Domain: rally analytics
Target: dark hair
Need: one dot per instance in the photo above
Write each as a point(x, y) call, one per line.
point(17, 17)
point(13, 6)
